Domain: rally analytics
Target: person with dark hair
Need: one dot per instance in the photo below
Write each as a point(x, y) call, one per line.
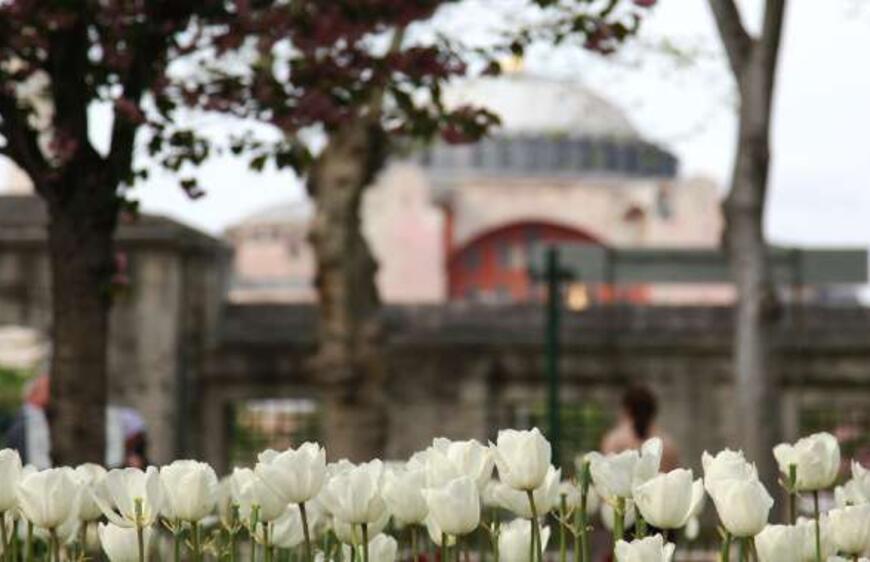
point(636, 424)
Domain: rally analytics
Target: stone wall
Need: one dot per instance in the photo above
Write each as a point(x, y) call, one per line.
point(160, 324)
point(465, 372)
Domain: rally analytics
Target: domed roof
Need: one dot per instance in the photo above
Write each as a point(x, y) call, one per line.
point(537, 105)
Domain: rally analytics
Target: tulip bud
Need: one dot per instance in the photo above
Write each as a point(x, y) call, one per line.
point(861, 479)
point(650, 549)
point(726, 465)
point(382, 548)
point(10, 476)
point(123, 489)
point(515, 538)
point(779, 543)
point(850, 528)
point(816, 457)
point(250, 493)
point(616, 475)
point(403, 493)
point(455, 506)
point(351, 534)
point(669, 500)
point(89, 478)
point(743, 505)
point(446, 460)
point(546, 496)
point(121, 543)
point(522, 458)
point(287, 531)
point(190, 490)
point(354, 495)
point(297, 475)
point(49, 497)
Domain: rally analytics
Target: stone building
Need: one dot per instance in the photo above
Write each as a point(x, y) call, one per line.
point(456, 222)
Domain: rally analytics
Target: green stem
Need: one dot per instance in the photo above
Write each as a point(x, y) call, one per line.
point(496, 530)
point(413, 543)
point(743, 549)
point(14, 548)
point(305, 532)
point(176, 541)
point(55, 545)
point(536, 530)
point(28, 547)
point(140, 531)
point(726, 547)
point(195, 542)
point(818, 527)
point(618, 522)
point(83, 540)
point(267, 547)
point(252, 531)
point(443, 547)
point(365, 534)
point(639, 525)
point(563, 531)
point(585, 479)
point(792, 494)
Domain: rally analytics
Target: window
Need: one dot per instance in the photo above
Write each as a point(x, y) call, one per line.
point(472, 259)
point(503, 254)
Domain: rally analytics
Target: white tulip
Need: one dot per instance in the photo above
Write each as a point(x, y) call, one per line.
point(297, 475)
point(287, 531)
point(668, 500)
point(743, 505)
point(841, 559)
point(808, 529)
point(780, 543)
point(121, 543)
point(571, 491)
point(850, 528)
point(608, 515)
point(403, 493)
point(515, 539)
point(10, 476)
point(522, 458)
point(546, 496)
point(348, 533)
point(616, 475)
point(382, 548)
point(435, 533)
point(89, 477)
point(850, 493)
point(816, 457)
point(455, 506)
point(726, 465)
point(861, 477)
point(354, 495)
point(446, 460)
point(251, 493)
point(49, 497)
point(123, 489)
point(649, 549)
point(190, 490)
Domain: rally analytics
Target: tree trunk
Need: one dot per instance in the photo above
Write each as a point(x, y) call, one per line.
point(80, 241)
point(350, 358)
point(756, 313)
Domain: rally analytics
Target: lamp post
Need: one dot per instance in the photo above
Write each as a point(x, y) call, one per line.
point(553, 321)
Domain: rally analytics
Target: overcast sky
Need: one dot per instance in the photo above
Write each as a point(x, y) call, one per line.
point(821, 156)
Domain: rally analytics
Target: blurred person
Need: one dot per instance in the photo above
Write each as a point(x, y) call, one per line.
point(636, 424)
point(29, 433)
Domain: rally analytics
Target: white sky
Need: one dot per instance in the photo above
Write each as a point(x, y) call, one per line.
point(821, 158)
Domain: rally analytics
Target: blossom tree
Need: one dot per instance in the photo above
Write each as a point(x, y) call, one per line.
point(59, 59)
point(365, 78)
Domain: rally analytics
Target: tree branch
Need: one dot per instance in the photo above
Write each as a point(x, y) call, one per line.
point(736, 40)
point(22, 144)
point(771, 34)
